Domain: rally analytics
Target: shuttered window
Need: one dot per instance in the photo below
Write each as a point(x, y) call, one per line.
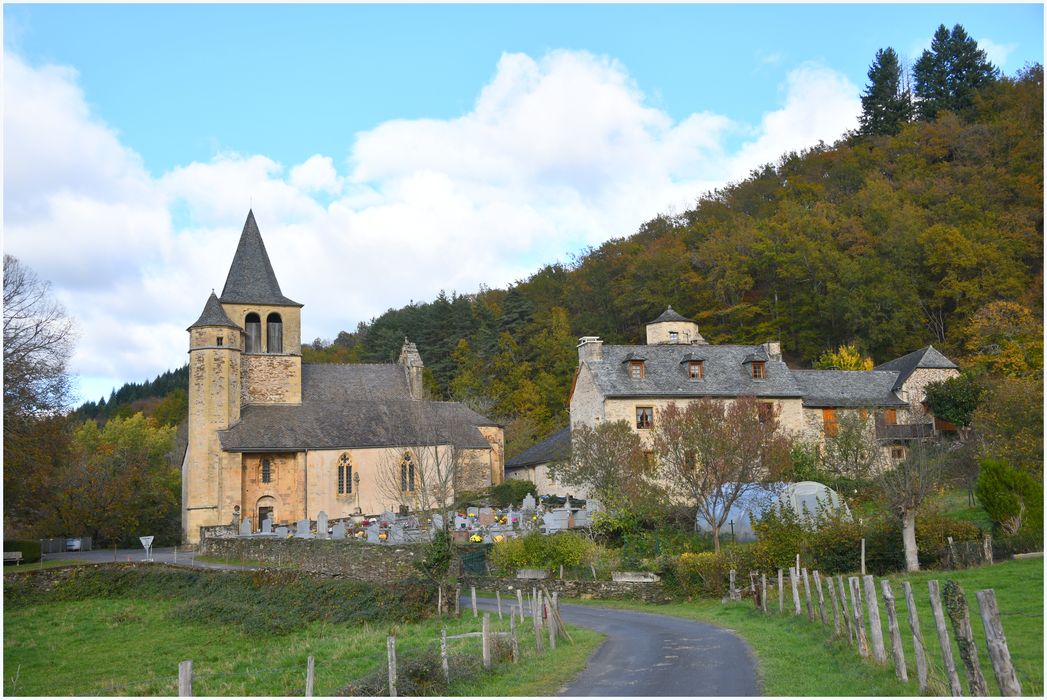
point(829, 420)
point(253, 333)
point(274, 341)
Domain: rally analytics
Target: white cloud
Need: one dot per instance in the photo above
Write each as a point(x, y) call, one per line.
point(556, 153)
point(997, 53)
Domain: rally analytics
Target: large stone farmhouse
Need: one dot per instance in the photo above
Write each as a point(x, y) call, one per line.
point(635, 383)
point(271, 436)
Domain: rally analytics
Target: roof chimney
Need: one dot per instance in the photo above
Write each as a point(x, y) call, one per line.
point(590, 348)
point(773, 348)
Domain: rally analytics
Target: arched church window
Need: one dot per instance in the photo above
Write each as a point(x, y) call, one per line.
point(274, 341)
point(253, 333)
point(407, 473)
point(345, 475)
point(267, 471)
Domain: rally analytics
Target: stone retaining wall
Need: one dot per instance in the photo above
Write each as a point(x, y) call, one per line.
point(374, 563)
point(606, 590)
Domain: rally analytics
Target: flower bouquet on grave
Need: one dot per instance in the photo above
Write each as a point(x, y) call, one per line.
point(476, 538)
point(383, 536)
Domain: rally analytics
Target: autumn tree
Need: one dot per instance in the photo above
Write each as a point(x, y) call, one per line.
point(1006, 338)
point(906, 487)
point(886, 103)
point(1009, 423)
point(948, 76)
point(610, 464)
point(711, 453)
point(847, 356)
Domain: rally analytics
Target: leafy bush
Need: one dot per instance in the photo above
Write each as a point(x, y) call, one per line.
point(709, 573)
point(535, 550)
point(1011, 498)
point(512, 492)
point(30, 549)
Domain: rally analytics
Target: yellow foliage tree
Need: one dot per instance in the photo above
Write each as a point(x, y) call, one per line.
point(847, 356)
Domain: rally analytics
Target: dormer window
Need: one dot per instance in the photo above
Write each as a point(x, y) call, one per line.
point(636, 369)
point(759, 369)
point(674, 337)
point(695, 370)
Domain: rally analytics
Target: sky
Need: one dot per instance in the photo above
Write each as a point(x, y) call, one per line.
point(393, 151)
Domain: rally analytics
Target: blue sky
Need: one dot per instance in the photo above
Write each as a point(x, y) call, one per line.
point(456, 145)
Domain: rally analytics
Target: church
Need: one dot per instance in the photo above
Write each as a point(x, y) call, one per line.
point(272, 437)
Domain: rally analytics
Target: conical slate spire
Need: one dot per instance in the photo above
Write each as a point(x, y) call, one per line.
point(213, 314)
point(670, 315)
point(251, 279)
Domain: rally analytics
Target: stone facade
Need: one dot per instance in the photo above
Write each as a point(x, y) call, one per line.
point(914, 391)
point(271, 379)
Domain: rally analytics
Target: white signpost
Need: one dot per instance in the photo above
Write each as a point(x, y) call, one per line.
point(147, 542)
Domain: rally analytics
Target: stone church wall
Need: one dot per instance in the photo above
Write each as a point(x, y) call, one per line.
point(271, 378)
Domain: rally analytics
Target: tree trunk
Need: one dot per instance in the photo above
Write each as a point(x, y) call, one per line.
point(912, 561)
point(716, 538)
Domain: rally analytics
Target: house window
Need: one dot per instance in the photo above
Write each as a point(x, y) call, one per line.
point(890, 416)
point(267, 471)
point(696, 370)
point(897, 453)
point(345, 475)
point(759, 371)
point(644, 417)
point(829, 421)
point(219, 340)
point(253, 332)
point(407, 473)
point(636, 369)
point(274, 333)
point(674, 337)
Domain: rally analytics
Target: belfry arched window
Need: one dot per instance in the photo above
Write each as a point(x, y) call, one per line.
point(274, 336)
point(345, 475)
point(407, 473)
point(253, 333)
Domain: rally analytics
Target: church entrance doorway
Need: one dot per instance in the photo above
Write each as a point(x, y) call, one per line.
point(263, 513)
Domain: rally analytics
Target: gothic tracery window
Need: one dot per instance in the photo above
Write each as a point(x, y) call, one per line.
point(407, 473)
point(345, 475)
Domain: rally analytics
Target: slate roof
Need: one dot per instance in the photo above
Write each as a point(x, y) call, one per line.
point(671, 315)
point(251, 279)
point(666, 375)
point(353, 406)
point(213, 315)
point(555, 447)
point(924, 358)
point(844, 388)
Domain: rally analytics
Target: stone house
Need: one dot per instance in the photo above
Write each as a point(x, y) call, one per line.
point(636, 382)
point(533, 464)
point(271, 436)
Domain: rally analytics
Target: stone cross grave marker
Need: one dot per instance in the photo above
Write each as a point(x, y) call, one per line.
point(338, 531)
point(321, 525)
point(528, 502)
point(245, 526)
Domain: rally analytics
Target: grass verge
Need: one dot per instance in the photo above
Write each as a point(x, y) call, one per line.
point(37, 565)
point(799, 658)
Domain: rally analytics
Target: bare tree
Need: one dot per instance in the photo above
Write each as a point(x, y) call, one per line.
point(609, 463)
point(38, 339)
point(712, 453)
point(853, 452)
point(907, 486)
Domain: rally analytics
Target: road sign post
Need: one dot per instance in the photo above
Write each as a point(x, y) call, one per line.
point(147, 542)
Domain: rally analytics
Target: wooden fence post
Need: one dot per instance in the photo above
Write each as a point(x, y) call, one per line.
point(185, 679)
point(485, 638)
point(997, 643)
point(875, 627)
point(458, 601)
point(844, 611)
point(390, 650)
point(781, 591)
point(439, 601)
point(859, 621)
point(836, 606)
point(730, 590)
point(519, 599)
point(763, 595)
point(917, 637)
point(986, 551)
point(894, 631)
point(309, 677)
point(959, 615)
point(472, 593)
point(498, 597)
point(807, 595)
point(863, 556)
point(551, 622)
point(443, 655)
point(536, 620)
point(953, 564)
point(796, 591)
point(943, 639)
point(821, 597)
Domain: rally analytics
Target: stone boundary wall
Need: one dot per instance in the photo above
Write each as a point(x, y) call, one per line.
point(604, 590)
point(373, 563)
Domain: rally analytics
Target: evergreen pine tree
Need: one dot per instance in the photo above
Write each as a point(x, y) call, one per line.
point(886, 103)
point(948, 75)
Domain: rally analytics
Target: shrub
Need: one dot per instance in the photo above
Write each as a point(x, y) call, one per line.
point(512, 492)
point(709, 573)
point(535, 550)
point(30, 549)
point(1012, 500)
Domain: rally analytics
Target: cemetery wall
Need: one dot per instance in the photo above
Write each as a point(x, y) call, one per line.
point(374, 563)
point(602, 590)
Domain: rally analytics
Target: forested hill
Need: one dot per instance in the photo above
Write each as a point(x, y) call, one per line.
point(889, 242)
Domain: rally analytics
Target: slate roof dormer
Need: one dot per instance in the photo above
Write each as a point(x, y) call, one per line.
point(213, 315)
point(251, 279)
point(924, 358)
point(671, 315)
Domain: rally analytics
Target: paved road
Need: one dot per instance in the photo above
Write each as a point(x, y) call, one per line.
point(657, 655)
point(165, 555)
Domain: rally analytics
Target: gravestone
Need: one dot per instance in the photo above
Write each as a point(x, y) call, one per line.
point(460, 523)
point(372, 533)
point(472, 512)
point(567, 503)
point(528, 503)
point(556, 520)
point(396, 533)
point(592, 505)
point(267, 526)
point(321, 525)
point(338, 531)
point(487, 519)
point(281, 531)
point(245, 526)
point(387, 518)
point(301, 529)
point(437, 522)
point(582, 519)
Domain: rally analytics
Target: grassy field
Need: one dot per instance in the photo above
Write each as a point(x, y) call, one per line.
point(36, 565)
point(133, 647)
point(797, 657)
point(954, 503)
